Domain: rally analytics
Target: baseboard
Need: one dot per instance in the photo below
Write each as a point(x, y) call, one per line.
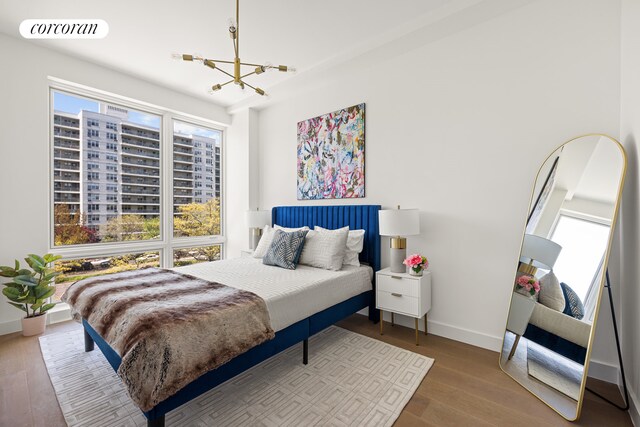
point(604, 371)
point(56, 315)
point(634, 407)
point(456, 333)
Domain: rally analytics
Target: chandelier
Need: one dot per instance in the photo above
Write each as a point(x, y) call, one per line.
point(237, 77)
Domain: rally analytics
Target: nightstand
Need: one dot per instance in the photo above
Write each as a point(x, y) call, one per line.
point(521, 309)
point(245, 253)
point(405, 294)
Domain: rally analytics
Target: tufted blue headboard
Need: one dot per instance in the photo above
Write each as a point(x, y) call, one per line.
point(357, 217)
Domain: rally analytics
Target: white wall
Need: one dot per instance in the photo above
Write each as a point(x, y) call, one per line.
point(24, 141)
point(458, 128)
point(628, 298)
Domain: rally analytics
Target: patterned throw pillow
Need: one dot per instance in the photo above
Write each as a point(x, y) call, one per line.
point(574, 306)
point(285, 249)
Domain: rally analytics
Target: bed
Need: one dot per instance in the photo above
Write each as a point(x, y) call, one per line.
point(312, 310)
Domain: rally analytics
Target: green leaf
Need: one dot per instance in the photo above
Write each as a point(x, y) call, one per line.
point(34, 263)
point(25, 281)
point(17, 264)
point(47, 307)
point(8, 272)
point(25, 272)
point(20, 306)
point(37, 305)
point(45, 293)
point(14, 294)
point(49, 258)
point(38, 258)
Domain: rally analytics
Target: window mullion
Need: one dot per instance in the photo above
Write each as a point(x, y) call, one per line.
point(167, 190)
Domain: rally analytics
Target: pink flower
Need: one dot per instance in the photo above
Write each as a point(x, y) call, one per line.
point(416, 261)
point(528, 283)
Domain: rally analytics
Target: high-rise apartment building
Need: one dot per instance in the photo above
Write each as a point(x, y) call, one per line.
point(105, 166)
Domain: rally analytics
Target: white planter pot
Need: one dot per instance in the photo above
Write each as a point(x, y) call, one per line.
point(34, 325)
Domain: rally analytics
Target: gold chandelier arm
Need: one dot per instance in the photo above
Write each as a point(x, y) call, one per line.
point(226, 83)
point(247, 75)
point(258, 90)
point(224, 72)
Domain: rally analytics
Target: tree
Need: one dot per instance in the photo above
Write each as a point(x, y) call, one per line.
point(123, 227)
point(70, 227)
point(197, 219)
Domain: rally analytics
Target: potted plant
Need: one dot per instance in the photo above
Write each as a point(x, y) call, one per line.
point(527, 285)
point(416, 263)
point(30, 290)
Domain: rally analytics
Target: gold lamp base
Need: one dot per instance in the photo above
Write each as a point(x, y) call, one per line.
point(527, 269)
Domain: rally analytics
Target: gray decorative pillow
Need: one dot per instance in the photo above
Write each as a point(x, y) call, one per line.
point(285, 249)
point(325, 248)
point(550, 292)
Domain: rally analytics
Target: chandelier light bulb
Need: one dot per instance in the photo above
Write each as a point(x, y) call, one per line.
point(232, 27)
point(176, 56)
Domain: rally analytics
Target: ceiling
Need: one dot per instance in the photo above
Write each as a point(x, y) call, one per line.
point(300, 33)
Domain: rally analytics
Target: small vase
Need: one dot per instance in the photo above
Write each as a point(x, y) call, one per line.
point(34, 325)
point(413, 272)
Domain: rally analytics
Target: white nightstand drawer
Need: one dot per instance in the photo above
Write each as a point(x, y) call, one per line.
point(398, 302)
point(399, 285)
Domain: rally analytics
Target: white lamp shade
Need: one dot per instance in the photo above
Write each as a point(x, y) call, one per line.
point(543, 252)
point(257, 219)
point(399, 222)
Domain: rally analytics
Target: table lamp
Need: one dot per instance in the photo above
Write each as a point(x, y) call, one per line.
point(397, 223)
point(256, 220)
point(537, 252)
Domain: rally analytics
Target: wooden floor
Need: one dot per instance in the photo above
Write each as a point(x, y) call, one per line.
point(465, 387)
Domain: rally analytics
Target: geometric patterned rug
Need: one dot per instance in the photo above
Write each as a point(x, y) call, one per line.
point(350, 380)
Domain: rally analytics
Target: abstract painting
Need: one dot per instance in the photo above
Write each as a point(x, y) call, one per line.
point(331, 155)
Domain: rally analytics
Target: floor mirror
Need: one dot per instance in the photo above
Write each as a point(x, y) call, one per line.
point(559, 279)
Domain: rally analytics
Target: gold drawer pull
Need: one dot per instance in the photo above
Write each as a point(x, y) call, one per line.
point(396, 277)
point(396, 295)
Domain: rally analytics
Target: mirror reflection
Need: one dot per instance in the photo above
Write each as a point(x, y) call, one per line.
point(560, 272)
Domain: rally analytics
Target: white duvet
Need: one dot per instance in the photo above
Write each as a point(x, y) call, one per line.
point(291, 295)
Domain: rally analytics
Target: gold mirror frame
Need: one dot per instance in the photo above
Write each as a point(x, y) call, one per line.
point(602, 279)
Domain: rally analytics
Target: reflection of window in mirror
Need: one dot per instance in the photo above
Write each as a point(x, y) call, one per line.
point(583, 244)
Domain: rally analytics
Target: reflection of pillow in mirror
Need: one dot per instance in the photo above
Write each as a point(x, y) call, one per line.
point(551, 292)
point(573, 306)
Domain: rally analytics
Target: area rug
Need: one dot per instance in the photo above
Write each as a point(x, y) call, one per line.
point(554, 370)
point(350, 380)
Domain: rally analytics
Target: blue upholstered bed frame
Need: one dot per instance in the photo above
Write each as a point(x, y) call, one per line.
point(331, 217)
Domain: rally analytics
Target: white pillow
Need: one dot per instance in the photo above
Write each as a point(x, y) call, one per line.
point(355, 244)
point(325, 248)
point(551, 292)
point(267, 237)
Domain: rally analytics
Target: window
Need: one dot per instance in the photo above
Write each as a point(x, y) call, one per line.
point(583, 244)
point(187, 256)
point(193, 217)
point(78, 269)
point(120, 211)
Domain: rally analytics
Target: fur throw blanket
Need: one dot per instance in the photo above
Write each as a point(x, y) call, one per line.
point(168, 328)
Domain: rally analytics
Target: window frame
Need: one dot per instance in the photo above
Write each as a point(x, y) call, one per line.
point(166, 243)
